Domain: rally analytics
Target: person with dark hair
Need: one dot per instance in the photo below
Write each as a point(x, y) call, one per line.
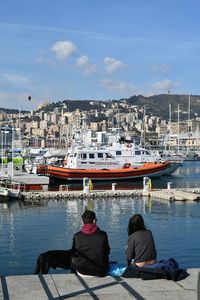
point(91, 248)
point(140, 247)
point(89, 254)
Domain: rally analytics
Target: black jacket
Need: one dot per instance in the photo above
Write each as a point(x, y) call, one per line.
point(91, 253)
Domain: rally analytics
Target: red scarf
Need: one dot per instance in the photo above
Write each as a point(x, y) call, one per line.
point(89, 228)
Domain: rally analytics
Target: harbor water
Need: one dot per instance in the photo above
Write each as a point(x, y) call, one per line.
point(28, 230)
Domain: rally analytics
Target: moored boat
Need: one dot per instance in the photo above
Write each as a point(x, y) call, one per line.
point(192, 157)
point(148, 169)
point(10, 189)
point(99, 164)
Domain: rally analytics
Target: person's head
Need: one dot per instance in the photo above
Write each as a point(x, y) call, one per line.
point(88, 217)
point(136, 223)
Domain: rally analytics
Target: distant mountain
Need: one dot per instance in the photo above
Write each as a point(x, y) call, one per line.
point(158, 105)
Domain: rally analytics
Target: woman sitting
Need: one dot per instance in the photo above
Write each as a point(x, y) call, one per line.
point(141, 247)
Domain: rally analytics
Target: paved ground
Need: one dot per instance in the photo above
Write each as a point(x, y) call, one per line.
point(65, 286)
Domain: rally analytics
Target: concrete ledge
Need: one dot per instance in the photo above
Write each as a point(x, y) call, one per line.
point(65, 286)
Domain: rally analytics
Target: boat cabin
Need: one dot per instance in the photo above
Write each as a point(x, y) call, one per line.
point(132, 153)
point(91, 159)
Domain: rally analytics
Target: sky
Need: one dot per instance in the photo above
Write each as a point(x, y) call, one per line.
point(54, 50)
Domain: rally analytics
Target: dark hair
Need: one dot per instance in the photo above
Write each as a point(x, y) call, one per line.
point(136, 223)
point(88, 217)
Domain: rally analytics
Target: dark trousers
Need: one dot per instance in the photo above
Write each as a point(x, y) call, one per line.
point(53, 259)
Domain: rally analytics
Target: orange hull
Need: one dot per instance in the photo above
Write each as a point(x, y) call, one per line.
point(148, 169)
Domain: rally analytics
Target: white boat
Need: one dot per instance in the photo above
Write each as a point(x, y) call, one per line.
point(136, 155)
point(99, 164)
point(10, 189)
point(132, 153)
point(192, 157)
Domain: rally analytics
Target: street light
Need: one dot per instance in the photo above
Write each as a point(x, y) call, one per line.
point(3, 142)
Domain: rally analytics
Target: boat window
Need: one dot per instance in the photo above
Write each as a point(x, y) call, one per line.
point(118, 152)
point(91, 155)
point(148, 153)
point(84, 155)
point(100, 155)
point(75, 154)
point(137, 152)
point(108, 155)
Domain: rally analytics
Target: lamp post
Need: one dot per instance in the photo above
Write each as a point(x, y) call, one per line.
point(3, 148)
point(5, 132)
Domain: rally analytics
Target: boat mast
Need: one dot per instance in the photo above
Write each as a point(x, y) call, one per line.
point(178, 129)
point(2, 150)
point(188, 124)
point(170, 121)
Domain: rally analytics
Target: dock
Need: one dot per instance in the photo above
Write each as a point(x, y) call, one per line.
point(156, 194)
point(72, 286)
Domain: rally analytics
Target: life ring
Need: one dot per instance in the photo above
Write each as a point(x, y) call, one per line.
point(126, 166)
point(128, 146)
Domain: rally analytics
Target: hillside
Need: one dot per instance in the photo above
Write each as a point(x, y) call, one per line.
point(157, 105)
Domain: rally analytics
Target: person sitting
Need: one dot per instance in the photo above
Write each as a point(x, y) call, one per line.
point(91, 248)
point(140, 246)
point(89, 254)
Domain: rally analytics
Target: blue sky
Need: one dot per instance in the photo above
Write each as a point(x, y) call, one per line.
point(97, 49)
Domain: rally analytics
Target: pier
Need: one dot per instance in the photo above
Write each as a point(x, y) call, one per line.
point(72, 286)
point(170, 195)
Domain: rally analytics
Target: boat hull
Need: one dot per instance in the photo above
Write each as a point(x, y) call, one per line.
point(9, 193)
point(148, 170)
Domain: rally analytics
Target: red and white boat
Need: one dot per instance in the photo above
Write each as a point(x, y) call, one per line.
point(101, 165)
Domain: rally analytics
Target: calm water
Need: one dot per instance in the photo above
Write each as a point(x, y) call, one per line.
point(26, 231)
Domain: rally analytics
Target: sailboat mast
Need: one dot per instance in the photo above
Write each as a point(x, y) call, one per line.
point(170, 121)
point(178, 129)
point(188, 124)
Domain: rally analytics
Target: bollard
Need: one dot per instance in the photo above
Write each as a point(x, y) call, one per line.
point(169, 185)
point(113, 186)
point(90, 185)
point(86, 188)
point(146, 184)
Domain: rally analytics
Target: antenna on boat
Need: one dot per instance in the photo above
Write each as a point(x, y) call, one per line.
point(142, 137)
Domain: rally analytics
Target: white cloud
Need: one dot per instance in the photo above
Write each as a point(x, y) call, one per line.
point(113, 65)
point(14, 79)
point(15, 100)
point(83, 62)
point(118, 86)
point(162, 68)
point(164, 85)
point(42, 60)
point(64, 49)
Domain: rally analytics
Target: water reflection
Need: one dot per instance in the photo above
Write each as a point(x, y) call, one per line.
point(27, 230)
